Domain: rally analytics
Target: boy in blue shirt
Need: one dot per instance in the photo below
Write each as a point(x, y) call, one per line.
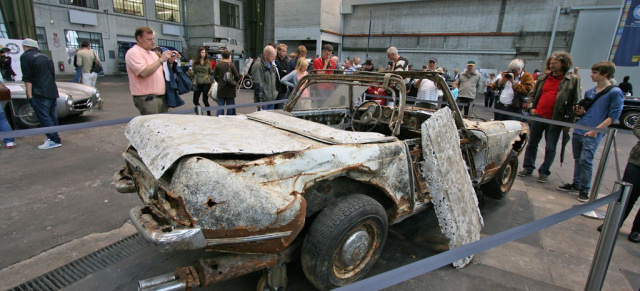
point(605, 107)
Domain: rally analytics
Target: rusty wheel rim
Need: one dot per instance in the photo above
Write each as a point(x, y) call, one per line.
point(356, 250)
point(508, 176)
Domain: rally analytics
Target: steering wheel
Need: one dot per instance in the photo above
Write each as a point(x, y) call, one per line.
point(364, 117)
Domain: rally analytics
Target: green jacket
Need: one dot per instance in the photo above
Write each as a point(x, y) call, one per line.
point(569, 93)
point(202, 73)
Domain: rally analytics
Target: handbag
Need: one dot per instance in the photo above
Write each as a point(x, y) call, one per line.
point(213, 92)
point(228, 78)
point(96, 67)
point(5, 93)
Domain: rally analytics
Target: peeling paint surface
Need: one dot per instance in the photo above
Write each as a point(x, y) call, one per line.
point(162, 139)
point(317, 131)
point(446, 174)
point(500, 139)
point(218, 199)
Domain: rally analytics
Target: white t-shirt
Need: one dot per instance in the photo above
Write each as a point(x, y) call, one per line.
point(427, 90)
point(506, 97)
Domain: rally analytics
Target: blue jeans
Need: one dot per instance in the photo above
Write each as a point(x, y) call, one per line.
point(268, 107)
point(45, 109)
point(584, 150)
point(227, 101)
point(4, 126)
point(551, 136)
point(76, 79)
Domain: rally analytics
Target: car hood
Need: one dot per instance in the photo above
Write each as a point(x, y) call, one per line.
point(163, 139)
point(77, 91)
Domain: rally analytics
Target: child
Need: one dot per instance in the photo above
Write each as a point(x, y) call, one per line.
point(454, 91)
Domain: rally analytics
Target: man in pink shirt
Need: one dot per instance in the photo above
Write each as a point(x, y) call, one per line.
point(146, 77)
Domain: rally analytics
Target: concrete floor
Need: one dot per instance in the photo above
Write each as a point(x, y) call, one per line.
point(60, 205)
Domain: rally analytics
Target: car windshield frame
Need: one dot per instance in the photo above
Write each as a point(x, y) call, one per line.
point(393, 82)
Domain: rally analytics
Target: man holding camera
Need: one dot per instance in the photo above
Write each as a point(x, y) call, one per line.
point(600, 107)
point(554, 95)
point(146, 77)
point(514, 86)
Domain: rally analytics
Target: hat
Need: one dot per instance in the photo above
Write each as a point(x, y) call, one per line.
point(5, 50)
point(433, 60)
point(440, 71)
point(368, 62)
point(471, 63)
point(29, 42)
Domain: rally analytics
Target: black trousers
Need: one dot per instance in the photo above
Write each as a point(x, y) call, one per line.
point(631, 174)
point(204, 90)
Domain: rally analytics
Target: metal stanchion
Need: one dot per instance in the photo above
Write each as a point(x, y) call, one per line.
point(597, 214)
point(198, 110)
point(607, 240)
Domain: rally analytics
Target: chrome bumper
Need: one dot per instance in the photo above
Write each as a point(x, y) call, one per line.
point(164, 238)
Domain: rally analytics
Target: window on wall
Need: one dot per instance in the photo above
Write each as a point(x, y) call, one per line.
point(41, 37)
point(74, 38)
point(229, 14)
point(168, 10)
point(176, 44)
point(133, 7)
point(3, 31)
point(81, 3)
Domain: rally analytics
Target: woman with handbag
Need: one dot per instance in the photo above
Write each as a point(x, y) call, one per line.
point(227, 76)
point(201, 73)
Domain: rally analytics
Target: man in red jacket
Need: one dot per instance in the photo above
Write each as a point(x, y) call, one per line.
point(324, 63)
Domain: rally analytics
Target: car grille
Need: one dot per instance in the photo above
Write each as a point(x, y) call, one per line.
point(83, 105)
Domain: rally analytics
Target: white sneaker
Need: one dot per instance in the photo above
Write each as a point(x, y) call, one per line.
point(49, 144)
point(10, 145)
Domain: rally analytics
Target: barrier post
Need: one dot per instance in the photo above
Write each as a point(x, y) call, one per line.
point(604, 158)
point(607, 240)
point(198, 110)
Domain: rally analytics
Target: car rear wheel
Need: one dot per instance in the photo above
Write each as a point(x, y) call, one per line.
point(629, 119)
point(247, 83)
point(500, 185)
point(344, 241)
point(25, 116)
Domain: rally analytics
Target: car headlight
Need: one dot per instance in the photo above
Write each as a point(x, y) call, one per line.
point(69, 100)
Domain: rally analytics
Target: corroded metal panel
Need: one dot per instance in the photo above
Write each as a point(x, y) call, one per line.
point(382, 165)
point(452, 191)
point(317, 131)
point(162, 139)
point(501, 138)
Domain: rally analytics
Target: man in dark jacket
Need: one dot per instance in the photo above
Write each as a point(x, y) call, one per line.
point(265, 78)
point(5, 65)
point(554, 95)
point(282, 69)
point(38, 75)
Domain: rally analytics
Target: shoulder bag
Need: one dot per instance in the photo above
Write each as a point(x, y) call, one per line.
point(96, 67)
point(229, 79)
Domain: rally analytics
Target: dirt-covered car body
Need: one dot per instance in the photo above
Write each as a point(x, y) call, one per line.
point(247, 183)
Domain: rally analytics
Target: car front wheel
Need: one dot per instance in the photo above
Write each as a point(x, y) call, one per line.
point(26, 116)
point(500, 185)
point(344, 241)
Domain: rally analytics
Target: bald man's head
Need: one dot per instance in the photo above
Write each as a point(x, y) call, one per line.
point(269, 53)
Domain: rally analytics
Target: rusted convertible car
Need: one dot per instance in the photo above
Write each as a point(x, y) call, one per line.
point(323, 176)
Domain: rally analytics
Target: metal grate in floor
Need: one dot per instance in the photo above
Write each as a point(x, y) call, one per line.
point(75, 271)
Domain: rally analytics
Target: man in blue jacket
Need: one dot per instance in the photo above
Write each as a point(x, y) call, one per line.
point(600, 107)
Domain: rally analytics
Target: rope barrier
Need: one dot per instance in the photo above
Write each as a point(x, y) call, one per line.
point(429, 264)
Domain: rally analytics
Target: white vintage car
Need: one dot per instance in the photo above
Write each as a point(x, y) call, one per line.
point(74, 99)
point(324, 177)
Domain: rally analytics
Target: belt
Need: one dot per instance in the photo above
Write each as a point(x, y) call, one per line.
point(148, 97)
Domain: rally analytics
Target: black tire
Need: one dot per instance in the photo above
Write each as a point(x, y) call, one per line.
point(500, 185)
point(357, 222)
point(25, 116)
point(247, 83)
point(629, 119)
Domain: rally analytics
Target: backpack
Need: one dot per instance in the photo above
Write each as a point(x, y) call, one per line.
point(96, 67)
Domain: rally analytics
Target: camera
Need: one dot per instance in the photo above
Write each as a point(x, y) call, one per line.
point(173, 54)
point(506, 74)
